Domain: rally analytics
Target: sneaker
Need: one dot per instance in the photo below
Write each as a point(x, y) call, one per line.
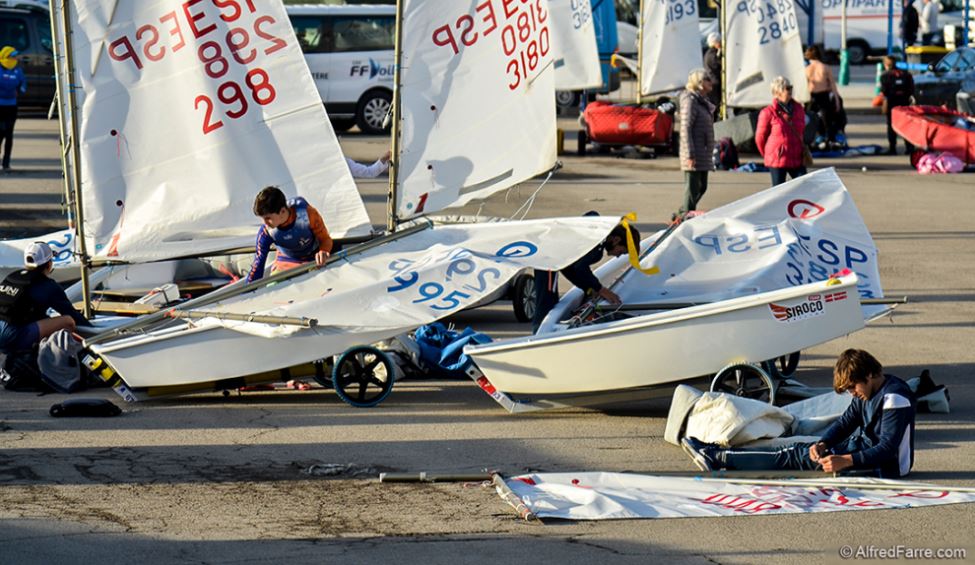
point(700, 453)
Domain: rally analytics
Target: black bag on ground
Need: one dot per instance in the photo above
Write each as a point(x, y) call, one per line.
point(21, 374)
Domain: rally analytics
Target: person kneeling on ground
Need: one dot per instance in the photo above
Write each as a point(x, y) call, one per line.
point(580, 274)
point(875, 434)
point(294, 226)
point(25, 298)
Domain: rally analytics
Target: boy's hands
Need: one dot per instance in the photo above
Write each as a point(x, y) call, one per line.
point(836, 463)
point(817, 451)
point(320, 257)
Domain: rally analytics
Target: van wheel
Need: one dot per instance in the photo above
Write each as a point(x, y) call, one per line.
point(856, 52)
point(342, 124)
point(372, 111)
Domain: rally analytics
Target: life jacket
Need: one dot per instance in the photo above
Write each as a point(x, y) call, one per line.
point(297, 241)
point(15, 306)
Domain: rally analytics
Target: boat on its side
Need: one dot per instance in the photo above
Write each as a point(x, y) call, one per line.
point(936, 129)
point(668, 347)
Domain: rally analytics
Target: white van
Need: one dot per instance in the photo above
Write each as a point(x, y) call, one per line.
point(349, 50)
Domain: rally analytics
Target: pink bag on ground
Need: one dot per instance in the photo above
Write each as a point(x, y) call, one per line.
point(932, 163)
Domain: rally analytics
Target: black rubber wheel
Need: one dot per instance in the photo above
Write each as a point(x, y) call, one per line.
point(523, 297)
point(566, 100)
point(363, 376)
point(856, 52)
point(782, 367)
point(745, 380)
point(372, 110)
point(342, 124)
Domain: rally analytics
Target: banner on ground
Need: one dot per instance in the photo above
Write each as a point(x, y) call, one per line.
point(605, 496)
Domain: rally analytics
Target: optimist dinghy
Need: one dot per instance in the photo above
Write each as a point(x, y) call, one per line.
point(743, 283)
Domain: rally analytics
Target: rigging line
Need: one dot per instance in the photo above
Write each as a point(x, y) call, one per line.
point(527, 206)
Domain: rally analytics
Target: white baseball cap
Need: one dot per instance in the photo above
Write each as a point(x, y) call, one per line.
point(37, 254)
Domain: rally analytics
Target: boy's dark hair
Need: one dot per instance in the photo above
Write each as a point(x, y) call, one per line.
point(620, 232)
point(813, 53)
point(270, 200)
point(854, 366)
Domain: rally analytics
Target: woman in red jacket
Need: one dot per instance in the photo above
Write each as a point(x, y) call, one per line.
point(779, 133)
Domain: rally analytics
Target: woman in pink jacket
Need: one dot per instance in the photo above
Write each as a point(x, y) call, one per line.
point(779, 133)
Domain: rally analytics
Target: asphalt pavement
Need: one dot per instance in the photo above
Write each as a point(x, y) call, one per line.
point(213, 479)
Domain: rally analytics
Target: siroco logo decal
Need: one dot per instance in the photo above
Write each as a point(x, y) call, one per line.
point(372, 70)
point(804, 209)
point(811, 307)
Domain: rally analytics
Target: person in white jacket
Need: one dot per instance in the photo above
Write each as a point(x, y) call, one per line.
point(929, 20)
point(372, 171)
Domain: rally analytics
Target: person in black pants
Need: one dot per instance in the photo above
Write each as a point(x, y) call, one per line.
point(897, 86)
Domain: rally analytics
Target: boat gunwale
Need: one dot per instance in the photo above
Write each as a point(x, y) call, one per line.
point(662, 318)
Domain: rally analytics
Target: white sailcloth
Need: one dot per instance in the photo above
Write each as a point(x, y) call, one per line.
point(476, 92)
point(366, 297)
point(792, 234)
point(606, 496)
point(574, 37)
point(762, 42)
point(670, 45)
point(185, 112)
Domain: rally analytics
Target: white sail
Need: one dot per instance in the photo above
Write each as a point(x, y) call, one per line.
point(789, 235)
point(670, 44)
point(369, 296)
point(762, 42)
point(476, 97)
point(574, 38)
point(185, 112)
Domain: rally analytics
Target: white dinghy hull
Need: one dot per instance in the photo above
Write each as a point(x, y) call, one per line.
point(667, 347)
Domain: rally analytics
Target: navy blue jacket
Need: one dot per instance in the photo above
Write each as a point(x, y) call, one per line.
point(45, 293)
point(879, 432)
point(580, 272)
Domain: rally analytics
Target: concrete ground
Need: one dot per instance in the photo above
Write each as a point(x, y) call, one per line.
point(208, 479)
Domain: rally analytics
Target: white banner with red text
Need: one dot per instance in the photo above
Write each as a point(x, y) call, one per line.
point(607, 496)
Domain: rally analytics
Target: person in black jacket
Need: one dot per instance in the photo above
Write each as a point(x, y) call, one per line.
point(25, 298)
point(875, 434)
point(712, 62)
point(897, 86)
point(909, 23)
point(580, 274)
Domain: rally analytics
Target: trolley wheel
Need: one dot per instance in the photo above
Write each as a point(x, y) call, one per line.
point(745, 380)
point(782, 367)
point(323, 372)
point(523, 297)
point(363, 376)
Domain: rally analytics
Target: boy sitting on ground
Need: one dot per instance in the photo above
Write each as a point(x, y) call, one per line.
point(294, 226)
point(875, 434)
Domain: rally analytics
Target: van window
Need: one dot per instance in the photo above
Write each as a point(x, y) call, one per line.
point(363, 33)
point(44, 36)
point(310, 31)
point(13, 32)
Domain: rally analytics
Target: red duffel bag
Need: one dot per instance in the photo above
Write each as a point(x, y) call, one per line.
point(627, 124)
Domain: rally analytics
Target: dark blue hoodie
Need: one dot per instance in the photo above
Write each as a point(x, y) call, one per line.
point(879, 432)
